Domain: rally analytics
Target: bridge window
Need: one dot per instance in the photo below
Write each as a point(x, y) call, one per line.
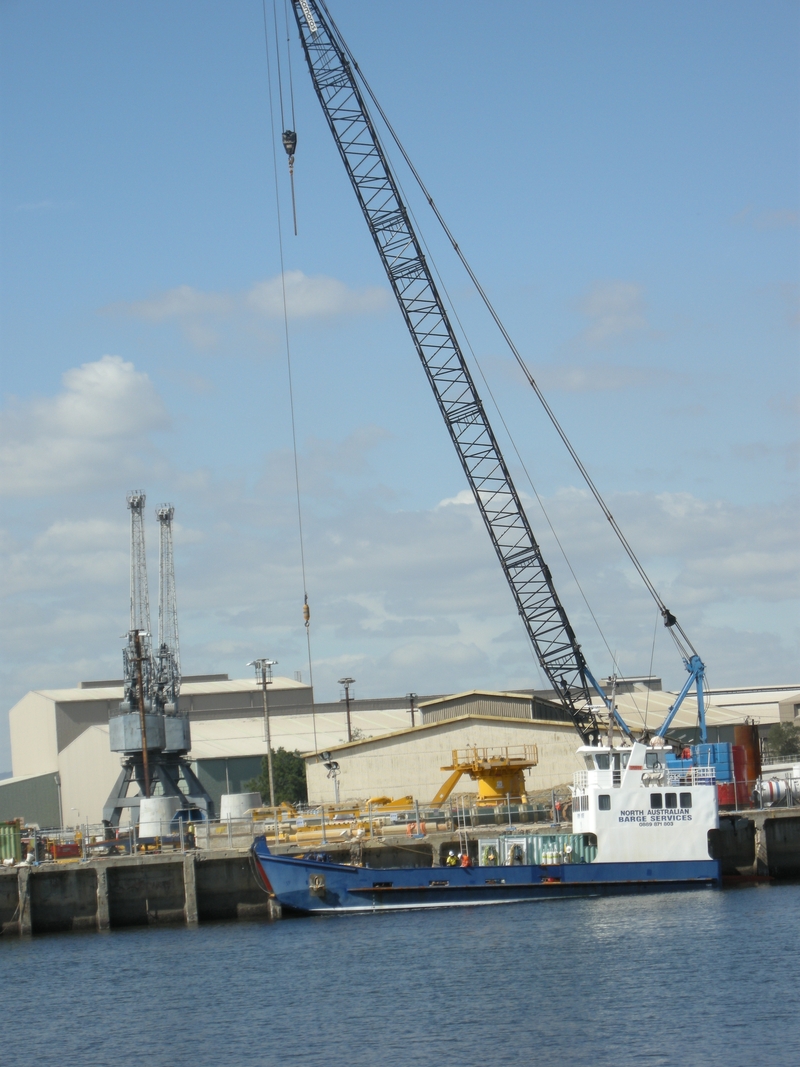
point(604, 802)
point(651, 759)
point(602, 761)
point(686, 800)
point(656, 800)
point(670, 800)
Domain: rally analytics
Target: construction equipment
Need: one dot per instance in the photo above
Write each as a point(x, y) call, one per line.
point(148, 728)
point(338, 89)
point(499, 772)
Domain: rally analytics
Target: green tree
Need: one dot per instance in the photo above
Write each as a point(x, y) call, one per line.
point(784, 739)
point(289, 771)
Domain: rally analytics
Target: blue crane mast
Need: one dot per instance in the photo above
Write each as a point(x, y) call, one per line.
point(437, 345)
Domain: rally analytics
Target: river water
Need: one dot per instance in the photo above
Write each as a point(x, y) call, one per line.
point(695, 978)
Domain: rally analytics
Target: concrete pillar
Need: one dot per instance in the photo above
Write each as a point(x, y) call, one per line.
point(103, 917)
point(189, 889)
point(24, 892)
point(761, 865)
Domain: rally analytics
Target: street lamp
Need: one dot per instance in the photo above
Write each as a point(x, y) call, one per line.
point(347, 682)
point(264, 675)
point(411, 697)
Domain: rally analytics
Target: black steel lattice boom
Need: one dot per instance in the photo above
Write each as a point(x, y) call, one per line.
point(429, 325)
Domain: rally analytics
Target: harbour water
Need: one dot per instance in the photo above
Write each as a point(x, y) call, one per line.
point(688, 978)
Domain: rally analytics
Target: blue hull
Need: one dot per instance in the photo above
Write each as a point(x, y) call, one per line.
point(311, 886)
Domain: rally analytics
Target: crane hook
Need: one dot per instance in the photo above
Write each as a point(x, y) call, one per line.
point(290, 144)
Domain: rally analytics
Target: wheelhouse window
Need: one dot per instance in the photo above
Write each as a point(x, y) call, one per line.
point(656, 801)
point(670, 800)
point(604, 801)
point(651, 759)
point(686, 800)
point(602, 761)
point(625, 757)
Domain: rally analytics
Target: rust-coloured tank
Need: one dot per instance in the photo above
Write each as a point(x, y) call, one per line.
point(746, 735)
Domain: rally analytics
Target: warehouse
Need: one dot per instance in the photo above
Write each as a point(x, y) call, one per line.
point(409, 761)
point(63, 768)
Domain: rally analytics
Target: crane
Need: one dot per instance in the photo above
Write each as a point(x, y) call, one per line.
point(442, 358)
point(167, 657)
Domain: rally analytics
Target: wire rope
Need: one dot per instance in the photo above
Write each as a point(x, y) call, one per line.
point(306, 609)
point(289, 59)
point(669, 619)
point(454, 311)
point(650, 672)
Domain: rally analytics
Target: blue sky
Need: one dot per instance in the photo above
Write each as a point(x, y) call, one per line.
point(623, 177)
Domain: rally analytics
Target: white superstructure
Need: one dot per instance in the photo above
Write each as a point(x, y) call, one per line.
point(640, 811)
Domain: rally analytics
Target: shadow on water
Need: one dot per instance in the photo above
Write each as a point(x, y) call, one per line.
point(657, 980)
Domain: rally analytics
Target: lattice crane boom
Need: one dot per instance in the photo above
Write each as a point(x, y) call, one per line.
point(168, 654)
point(438, 348)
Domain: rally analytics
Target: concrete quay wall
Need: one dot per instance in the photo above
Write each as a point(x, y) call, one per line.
point(200, 886)
point(131, 891)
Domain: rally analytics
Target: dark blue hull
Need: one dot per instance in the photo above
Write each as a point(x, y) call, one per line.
point(311, 886)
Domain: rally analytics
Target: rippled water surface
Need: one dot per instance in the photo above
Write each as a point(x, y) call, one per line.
point(699, 978)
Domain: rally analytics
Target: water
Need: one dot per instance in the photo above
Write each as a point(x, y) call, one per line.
point(688, 978)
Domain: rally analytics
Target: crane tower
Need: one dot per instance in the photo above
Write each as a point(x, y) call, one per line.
point(168, 659)
point(149, 728)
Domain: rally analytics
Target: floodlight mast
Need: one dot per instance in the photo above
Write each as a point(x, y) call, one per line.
point(264, 676)
point(426, 318)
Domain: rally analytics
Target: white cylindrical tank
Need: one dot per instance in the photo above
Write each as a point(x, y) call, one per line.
point(237, 805)
point(156, 815)
point(773, 790)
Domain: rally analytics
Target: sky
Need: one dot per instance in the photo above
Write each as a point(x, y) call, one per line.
point(622, 176)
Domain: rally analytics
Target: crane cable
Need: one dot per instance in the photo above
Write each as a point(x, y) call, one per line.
point(306, 607)
point(473, 354)
point(288, 136)
point(669, 619)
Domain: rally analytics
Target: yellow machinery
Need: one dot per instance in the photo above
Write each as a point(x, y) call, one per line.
point(499, 772)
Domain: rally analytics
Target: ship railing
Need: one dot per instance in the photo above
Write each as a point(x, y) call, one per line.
point(692, 776)
point(580, 779)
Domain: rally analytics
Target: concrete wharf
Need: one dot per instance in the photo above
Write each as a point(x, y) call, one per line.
point(201, 886)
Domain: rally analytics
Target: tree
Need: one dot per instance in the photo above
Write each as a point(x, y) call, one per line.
point(289, 772)
point(784, 739)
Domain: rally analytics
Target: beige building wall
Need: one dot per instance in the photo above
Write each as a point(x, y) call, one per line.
point(409, 762)
point(88, 770)
point(34, 741)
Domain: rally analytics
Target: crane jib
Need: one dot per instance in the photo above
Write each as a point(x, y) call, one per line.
point(428, 323)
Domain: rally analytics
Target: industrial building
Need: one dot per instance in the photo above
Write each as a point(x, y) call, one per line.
point(410, 760)
point(63, 767)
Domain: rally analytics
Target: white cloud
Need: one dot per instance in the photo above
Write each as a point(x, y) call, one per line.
point(95, 428)
point(404, 600)
point(616, 310)
point(308, 297)
point(313, 297)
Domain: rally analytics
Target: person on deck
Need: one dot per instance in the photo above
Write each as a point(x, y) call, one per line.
point(451, 860)
point(465, 860)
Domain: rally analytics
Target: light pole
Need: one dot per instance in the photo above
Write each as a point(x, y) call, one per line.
point(264, 675)
point(411, 698)
point(347, 682)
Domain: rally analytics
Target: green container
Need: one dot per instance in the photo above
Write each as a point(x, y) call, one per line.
point(10, 842)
